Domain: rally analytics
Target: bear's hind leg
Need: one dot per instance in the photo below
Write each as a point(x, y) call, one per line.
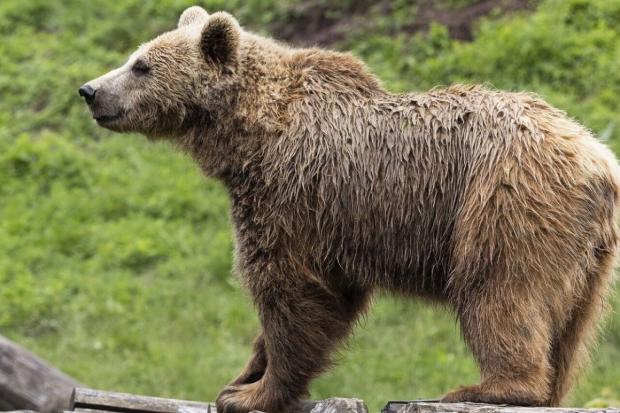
point(509, 335)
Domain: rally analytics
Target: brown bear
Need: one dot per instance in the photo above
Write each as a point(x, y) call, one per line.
point(493, 203)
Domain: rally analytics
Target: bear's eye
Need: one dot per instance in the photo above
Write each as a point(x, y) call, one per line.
point(140, 68)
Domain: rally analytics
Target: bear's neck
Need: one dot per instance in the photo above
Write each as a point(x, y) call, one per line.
point(227, 138)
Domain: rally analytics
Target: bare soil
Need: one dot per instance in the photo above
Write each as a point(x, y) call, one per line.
point(322, 24)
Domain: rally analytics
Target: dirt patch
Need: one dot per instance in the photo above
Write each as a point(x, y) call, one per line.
point(321, 24)
point(460, 21)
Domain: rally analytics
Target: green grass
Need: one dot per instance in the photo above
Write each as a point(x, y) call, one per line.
point(116, 253)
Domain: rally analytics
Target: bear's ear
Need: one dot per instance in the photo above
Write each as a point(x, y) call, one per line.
point(193, 15)
point(219, 41)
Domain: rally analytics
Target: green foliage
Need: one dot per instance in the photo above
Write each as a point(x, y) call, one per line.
point(117, 253)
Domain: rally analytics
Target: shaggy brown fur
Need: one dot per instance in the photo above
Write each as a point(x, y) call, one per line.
point(493, 203)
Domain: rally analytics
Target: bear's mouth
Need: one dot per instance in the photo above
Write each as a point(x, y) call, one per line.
point(108, 118)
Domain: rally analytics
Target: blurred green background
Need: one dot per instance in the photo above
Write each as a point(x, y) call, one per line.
point(116, 253)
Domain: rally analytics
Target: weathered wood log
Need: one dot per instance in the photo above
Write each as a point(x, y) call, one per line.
point(27, 382)
point(96, 401)
point(426, 406)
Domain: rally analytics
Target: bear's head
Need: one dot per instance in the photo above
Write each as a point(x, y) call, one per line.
point(169, 81)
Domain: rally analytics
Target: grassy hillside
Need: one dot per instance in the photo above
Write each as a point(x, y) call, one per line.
point(116, 253)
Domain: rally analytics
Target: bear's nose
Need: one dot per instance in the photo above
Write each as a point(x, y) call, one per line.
point(88, 93)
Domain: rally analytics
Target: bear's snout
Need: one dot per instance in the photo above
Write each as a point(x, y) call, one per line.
point(105, 109)
point(88, 93)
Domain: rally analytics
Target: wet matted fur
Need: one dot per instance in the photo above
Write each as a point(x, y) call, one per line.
point(493, 203)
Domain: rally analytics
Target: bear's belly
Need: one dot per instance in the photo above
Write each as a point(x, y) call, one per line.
point(384, 244)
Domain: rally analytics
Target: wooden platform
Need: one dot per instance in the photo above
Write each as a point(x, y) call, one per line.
point(30, 385)
point(95, 401)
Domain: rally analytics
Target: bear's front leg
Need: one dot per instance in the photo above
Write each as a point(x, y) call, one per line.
point(302, 322)
point(254, 370)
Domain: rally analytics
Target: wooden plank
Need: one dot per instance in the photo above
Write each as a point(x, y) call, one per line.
point(19, 411)
point(124, 402)
point(27, 382)
point(97, 401)
point(78, 410)
point(438, 407)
